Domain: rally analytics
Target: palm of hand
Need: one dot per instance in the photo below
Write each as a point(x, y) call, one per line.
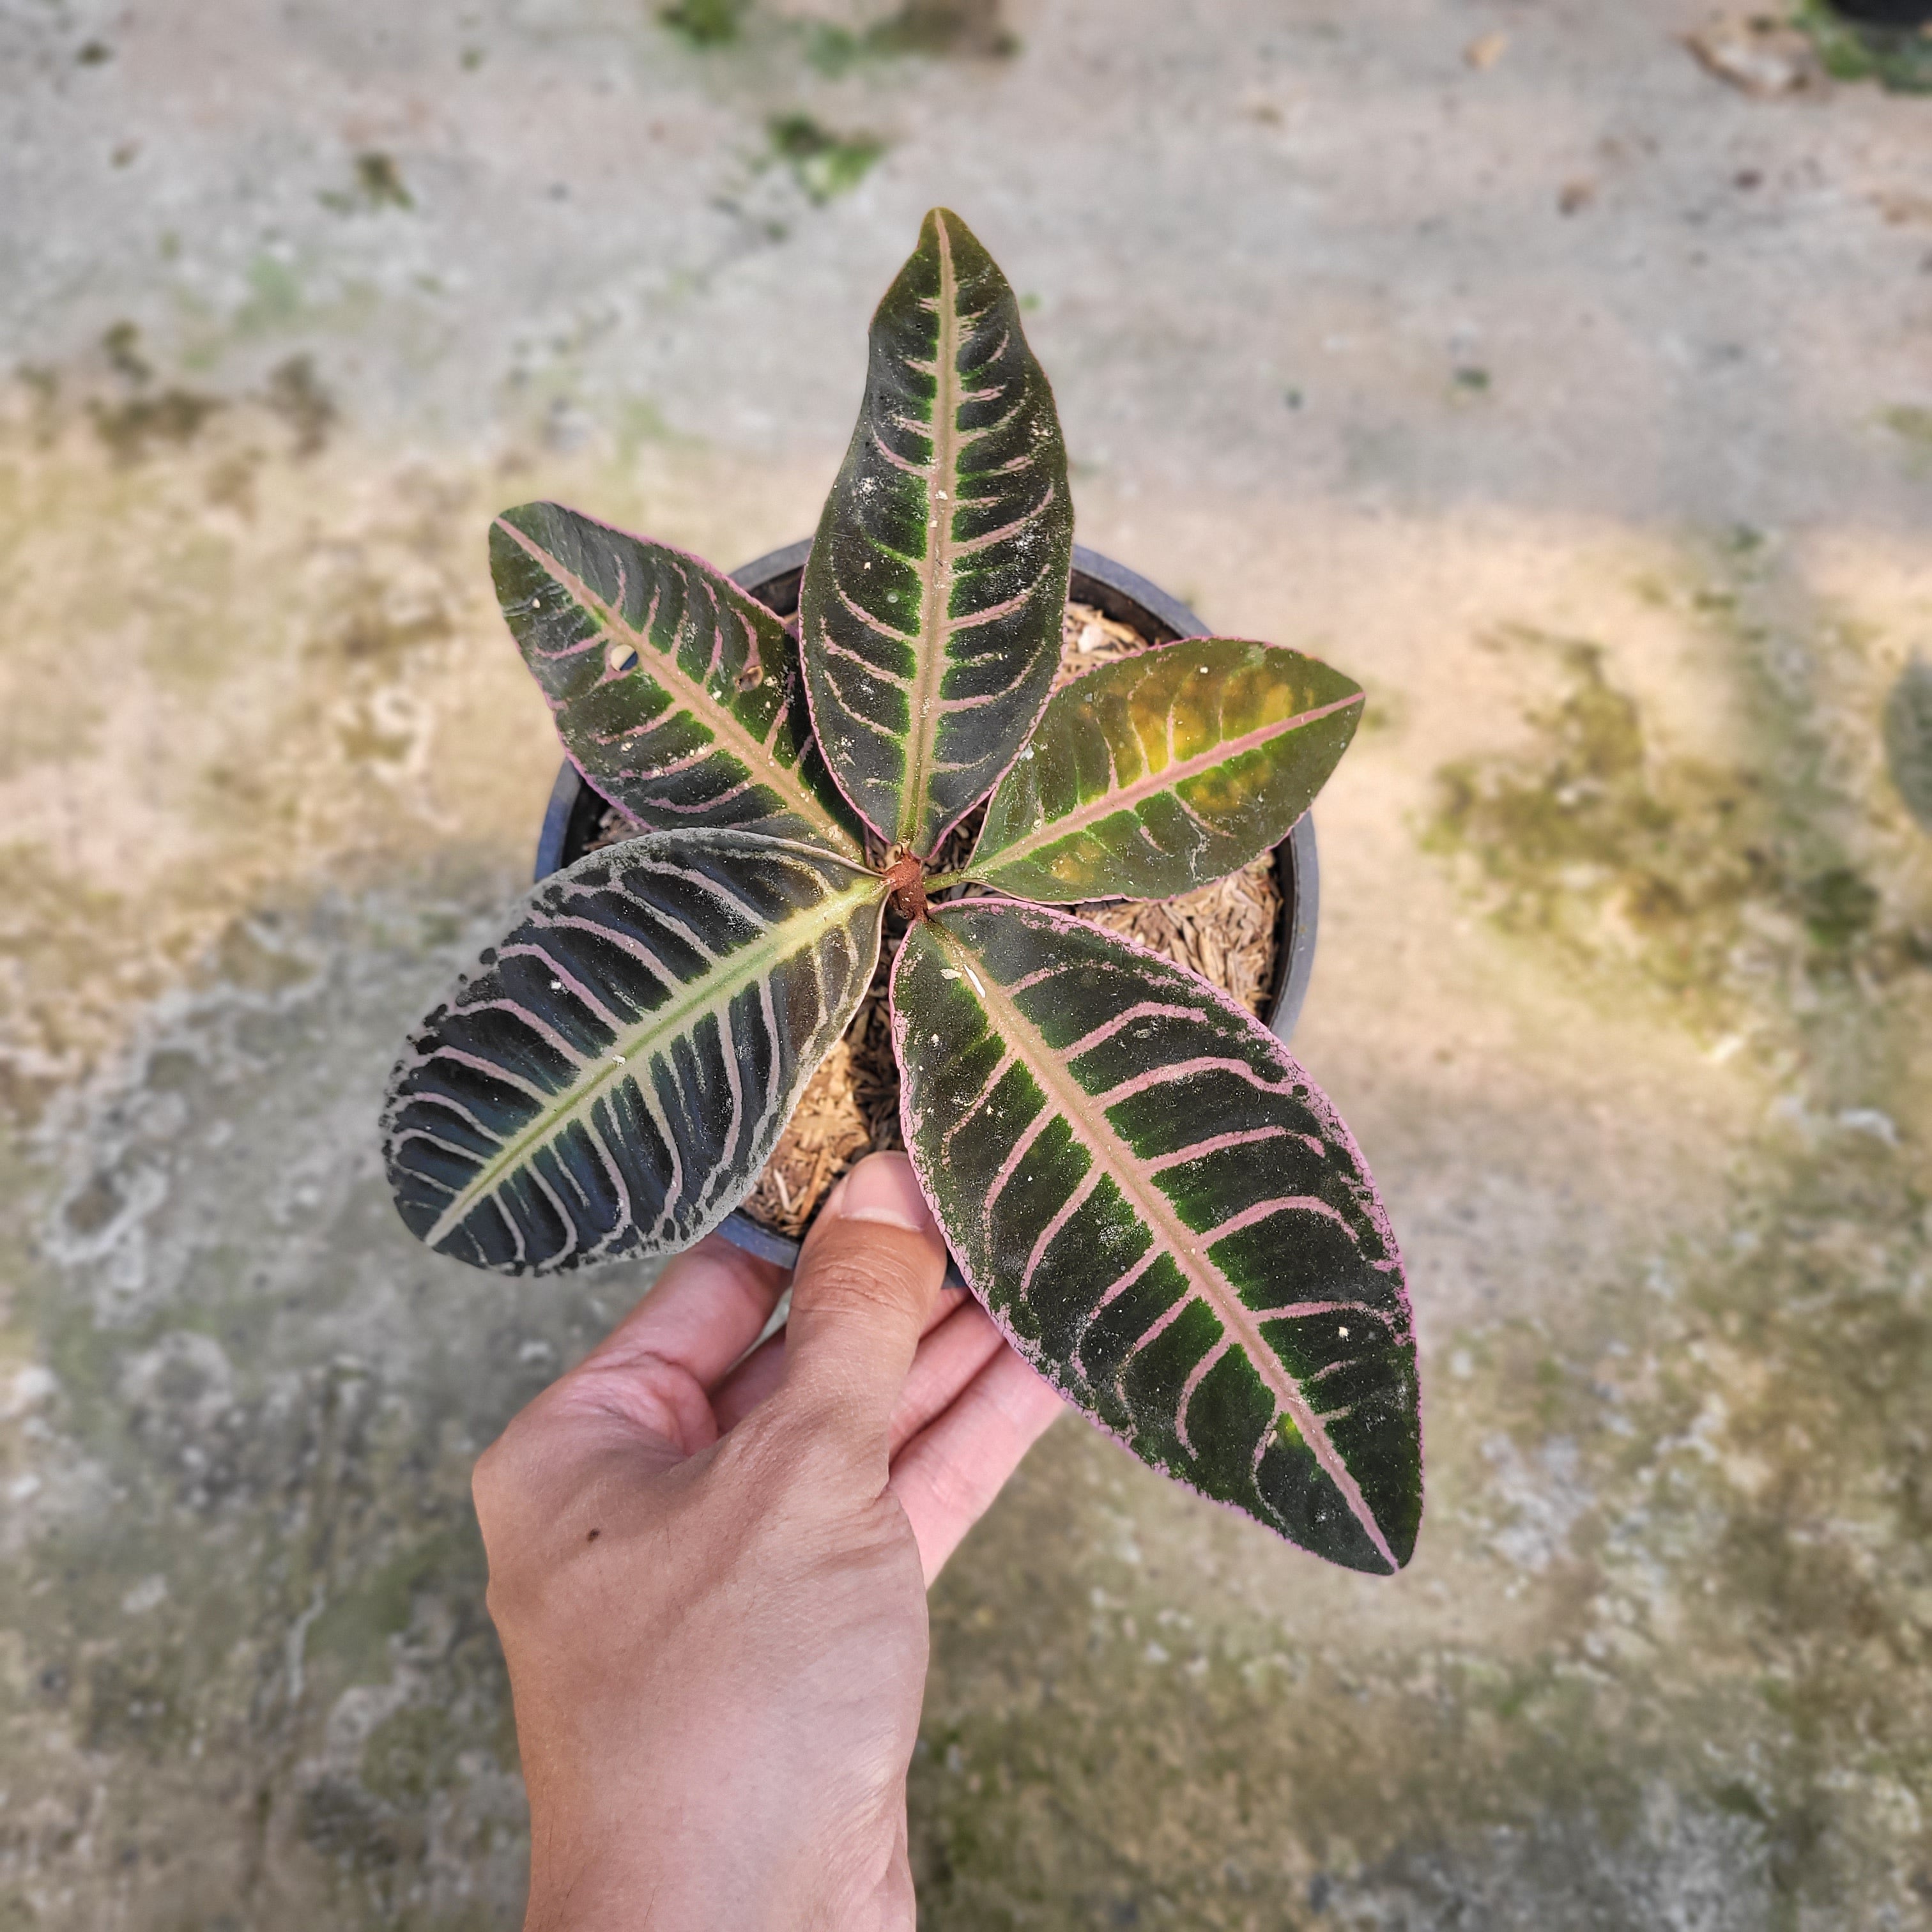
point(708, 1575)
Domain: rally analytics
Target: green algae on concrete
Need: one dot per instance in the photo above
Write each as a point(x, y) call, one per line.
point(1658, 1664)
point(706, 23)
point(1908, 738)
point(1707, 878)
point(824, 164)
point(1748, 1420)
point(1662, 1658)
point(943, 29)
point(378, 184)
point(269, 1587)
point(1899, 58)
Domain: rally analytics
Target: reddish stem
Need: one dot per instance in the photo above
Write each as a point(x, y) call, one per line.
point(905, 880)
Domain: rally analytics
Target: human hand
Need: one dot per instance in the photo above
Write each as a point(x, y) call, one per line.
point(708, 1575)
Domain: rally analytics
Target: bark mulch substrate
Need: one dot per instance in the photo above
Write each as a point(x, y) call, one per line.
point(1225, 931)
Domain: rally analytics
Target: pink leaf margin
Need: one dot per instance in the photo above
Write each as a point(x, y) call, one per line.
point(1324, 1109)
point(705, 564)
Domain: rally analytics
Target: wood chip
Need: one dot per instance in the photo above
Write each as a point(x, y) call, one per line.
point(1901, 205)
point(1226, 931)
point(1088, 637)
point(1757, 54)
point(849, 1108)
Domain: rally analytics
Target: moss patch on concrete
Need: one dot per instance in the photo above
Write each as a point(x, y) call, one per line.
point(1899, 58)
point(1715, 883)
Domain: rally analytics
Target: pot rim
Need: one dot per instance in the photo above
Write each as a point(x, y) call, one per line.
point(1122, 593)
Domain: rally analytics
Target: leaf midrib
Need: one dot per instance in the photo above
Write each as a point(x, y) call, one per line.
point(1096, 810)
point(936, 568)
point(1124, 1168)
point(724, 724)
point(693, 1000)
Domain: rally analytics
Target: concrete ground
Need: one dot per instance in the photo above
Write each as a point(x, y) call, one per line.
point(1578, 401)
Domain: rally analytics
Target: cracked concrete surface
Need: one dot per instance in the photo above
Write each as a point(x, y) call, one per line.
point(1577, 402)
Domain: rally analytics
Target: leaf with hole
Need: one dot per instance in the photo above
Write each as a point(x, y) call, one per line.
point(1167, 1219)
point(930, 611)
point(610, 1078)
point(1163, 772)
point(678, 697)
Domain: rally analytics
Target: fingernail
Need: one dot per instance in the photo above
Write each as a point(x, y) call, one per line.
point(881, 1188)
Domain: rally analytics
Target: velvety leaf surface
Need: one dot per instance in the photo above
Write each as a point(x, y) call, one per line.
point(611, 1077)
point(931, 608)
point(1160, 772)
point(1167, 1217)
point(679, 698)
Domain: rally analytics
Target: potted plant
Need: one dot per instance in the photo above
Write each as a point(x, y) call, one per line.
point(1162, 1213)
point(1141, 615)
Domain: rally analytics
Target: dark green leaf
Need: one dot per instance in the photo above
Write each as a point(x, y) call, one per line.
point(931, 603)
point(679, 697)
point(1165, 771)
point(611, 1077)
point(1167, 1217)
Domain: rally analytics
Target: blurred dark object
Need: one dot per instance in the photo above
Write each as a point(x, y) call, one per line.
point(705, 23)
point(947, 27)
point(1908, 739)
point(1888, 41)
point(1885, 13)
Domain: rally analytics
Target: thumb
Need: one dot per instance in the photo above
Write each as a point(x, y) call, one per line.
point(871, 1268)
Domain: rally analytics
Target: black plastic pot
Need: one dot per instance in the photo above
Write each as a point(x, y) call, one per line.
point(575, 811)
